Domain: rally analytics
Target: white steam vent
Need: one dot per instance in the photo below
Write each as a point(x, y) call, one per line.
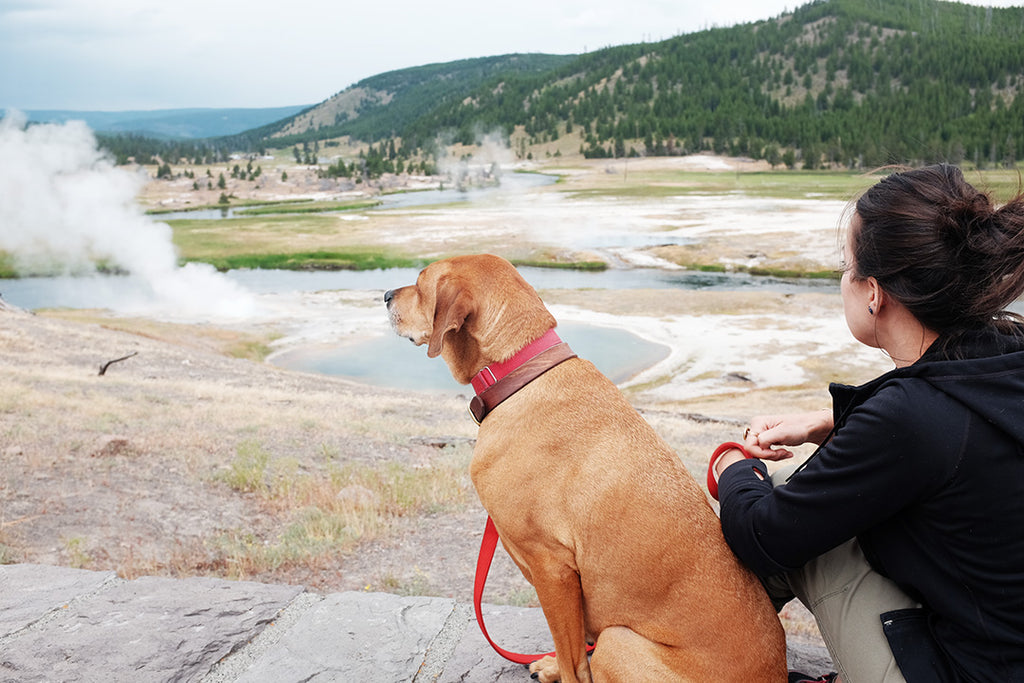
point(65, 208)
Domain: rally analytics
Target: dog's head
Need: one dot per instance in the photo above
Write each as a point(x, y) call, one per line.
point(470, 310)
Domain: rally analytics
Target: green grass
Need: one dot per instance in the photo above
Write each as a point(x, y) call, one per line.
point(314, 207)
point(49, 266)
point(250, 350)
point(788, 273)
point(253, 236)
point(235, 204)
point(78, 557)
point(564, 265)
point(841, 185)
point(780, 184)
point(763, 271)
point(313, 260)
point(388, 193)
point(1003, 184)
point(8, 555)
point(7, 269)
point(269, 242)
point(247, 473)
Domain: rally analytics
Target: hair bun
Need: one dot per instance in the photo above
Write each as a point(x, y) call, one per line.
point(941, 248)
point(967, 212)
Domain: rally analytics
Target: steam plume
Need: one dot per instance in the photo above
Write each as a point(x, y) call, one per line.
point(64, 207)
point(484, 168)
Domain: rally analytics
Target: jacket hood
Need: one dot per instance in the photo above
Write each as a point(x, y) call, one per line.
point(987, 377)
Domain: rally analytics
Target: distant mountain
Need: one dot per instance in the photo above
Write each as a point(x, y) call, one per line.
point(171, 124)
point(847, 82)
point(387, 104)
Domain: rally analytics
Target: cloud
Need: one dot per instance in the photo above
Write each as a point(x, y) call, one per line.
point(147, 54)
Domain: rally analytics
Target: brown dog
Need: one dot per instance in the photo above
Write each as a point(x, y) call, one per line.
point(596, 510)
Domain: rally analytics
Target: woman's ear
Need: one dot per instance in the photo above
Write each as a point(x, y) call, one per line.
point(876, 296)
point(452, 305)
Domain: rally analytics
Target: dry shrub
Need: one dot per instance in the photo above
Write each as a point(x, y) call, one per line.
point(329, 511)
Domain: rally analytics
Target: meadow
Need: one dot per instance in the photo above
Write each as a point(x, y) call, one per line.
point(355, 234)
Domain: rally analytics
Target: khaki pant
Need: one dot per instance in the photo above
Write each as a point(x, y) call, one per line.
point(846, 597)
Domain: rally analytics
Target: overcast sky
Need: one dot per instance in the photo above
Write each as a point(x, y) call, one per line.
point(160, 54)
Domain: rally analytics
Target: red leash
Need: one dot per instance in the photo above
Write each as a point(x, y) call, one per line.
point(719, 452)
point(483, 566)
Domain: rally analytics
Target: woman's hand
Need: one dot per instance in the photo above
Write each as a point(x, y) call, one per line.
point(769, 434)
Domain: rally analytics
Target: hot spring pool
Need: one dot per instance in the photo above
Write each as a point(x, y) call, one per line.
point(393, 361)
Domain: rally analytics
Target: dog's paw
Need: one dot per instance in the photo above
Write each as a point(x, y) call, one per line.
point(545, 670)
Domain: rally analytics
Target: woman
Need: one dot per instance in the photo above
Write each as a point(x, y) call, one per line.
point(904, 532)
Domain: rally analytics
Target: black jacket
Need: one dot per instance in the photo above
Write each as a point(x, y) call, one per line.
point(926, 469)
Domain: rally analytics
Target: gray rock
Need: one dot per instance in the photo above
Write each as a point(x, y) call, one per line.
point(69, 625)
point(150, 629)
point(517, 629)
point(808, 657)
point(29, 592)
point(355, 637)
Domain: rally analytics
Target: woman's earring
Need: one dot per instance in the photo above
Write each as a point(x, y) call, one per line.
point(871, 311)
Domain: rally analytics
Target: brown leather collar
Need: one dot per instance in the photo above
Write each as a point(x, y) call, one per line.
point(489, 398)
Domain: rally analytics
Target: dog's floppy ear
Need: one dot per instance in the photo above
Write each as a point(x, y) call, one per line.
point(451, 308)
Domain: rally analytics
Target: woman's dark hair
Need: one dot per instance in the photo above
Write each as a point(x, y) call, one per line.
point(941, 248)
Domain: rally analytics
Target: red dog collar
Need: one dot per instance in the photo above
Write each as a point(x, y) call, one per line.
point(495, 371)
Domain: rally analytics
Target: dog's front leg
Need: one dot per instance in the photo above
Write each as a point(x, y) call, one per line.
point(561, 598)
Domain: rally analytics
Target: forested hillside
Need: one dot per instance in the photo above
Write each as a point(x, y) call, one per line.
point(843, 83)
point(389, 103)
point(851, 82)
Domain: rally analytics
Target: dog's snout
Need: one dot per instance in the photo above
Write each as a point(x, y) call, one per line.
point(388, 296)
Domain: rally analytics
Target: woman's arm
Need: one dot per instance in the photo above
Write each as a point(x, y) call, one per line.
point(887, 454)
